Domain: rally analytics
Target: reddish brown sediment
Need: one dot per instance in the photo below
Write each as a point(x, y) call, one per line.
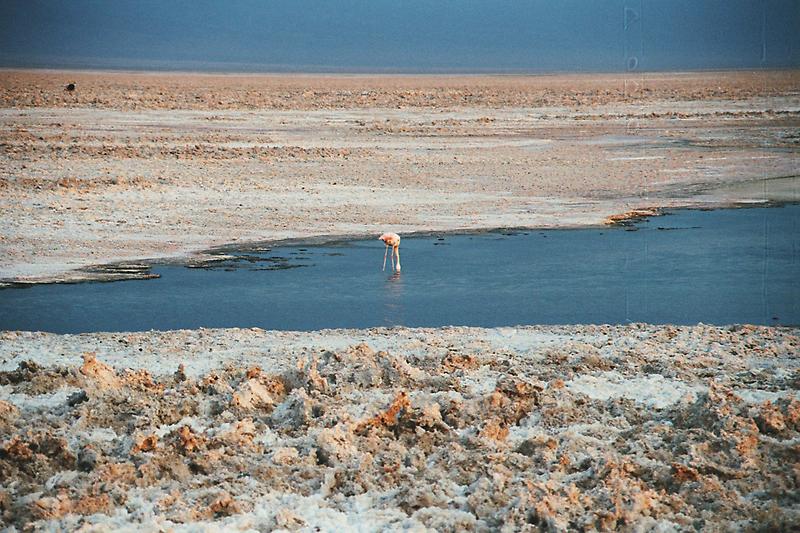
point(633, 215)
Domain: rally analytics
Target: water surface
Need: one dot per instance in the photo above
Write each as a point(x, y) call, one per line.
point(716, 267)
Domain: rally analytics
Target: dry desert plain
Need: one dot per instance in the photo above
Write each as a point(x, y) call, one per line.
point(592, 427)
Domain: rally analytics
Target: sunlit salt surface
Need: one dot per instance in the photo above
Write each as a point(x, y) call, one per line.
point(715, 267)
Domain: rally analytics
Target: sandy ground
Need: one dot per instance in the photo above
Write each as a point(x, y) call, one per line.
point(636, 428)
point(135, 166)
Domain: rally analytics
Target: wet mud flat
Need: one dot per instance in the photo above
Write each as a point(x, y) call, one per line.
point(516, 429)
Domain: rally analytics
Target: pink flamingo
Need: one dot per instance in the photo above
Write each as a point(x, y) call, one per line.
point(393, 240)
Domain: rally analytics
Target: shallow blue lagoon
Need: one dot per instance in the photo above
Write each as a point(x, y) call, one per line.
point(716, 267)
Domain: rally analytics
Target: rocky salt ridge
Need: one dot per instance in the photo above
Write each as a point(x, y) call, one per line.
point(556, 428)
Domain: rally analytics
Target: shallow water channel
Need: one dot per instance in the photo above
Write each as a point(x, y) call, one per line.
point(716, 267)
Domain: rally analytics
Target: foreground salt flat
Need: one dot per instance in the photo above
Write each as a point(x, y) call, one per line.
point(130, 167)
point(634, 427)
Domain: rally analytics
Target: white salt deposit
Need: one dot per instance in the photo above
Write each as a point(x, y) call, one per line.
point(25, 402)
point(519, 340)
point(481, 381)
point(757, 396)
point(652, 390)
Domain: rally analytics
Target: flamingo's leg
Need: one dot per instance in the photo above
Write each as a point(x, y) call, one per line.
point(384, 256)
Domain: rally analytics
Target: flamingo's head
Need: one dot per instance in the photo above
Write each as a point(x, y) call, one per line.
point(391, 239)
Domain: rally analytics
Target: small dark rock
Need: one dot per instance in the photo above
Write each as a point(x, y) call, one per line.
point(323, 457)
point(24, 372)
point(77, 397)
point(70, 87)
point(198, 467)
point(180, 374)
point(87, 459)
point(528, 448)
point(29, 366)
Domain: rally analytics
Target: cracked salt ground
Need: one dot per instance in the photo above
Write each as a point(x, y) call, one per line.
point(585, 427)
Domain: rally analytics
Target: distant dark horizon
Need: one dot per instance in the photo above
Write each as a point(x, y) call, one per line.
point(412, 36)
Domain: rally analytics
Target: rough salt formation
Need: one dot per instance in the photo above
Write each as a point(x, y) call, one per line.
point(517, 429)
